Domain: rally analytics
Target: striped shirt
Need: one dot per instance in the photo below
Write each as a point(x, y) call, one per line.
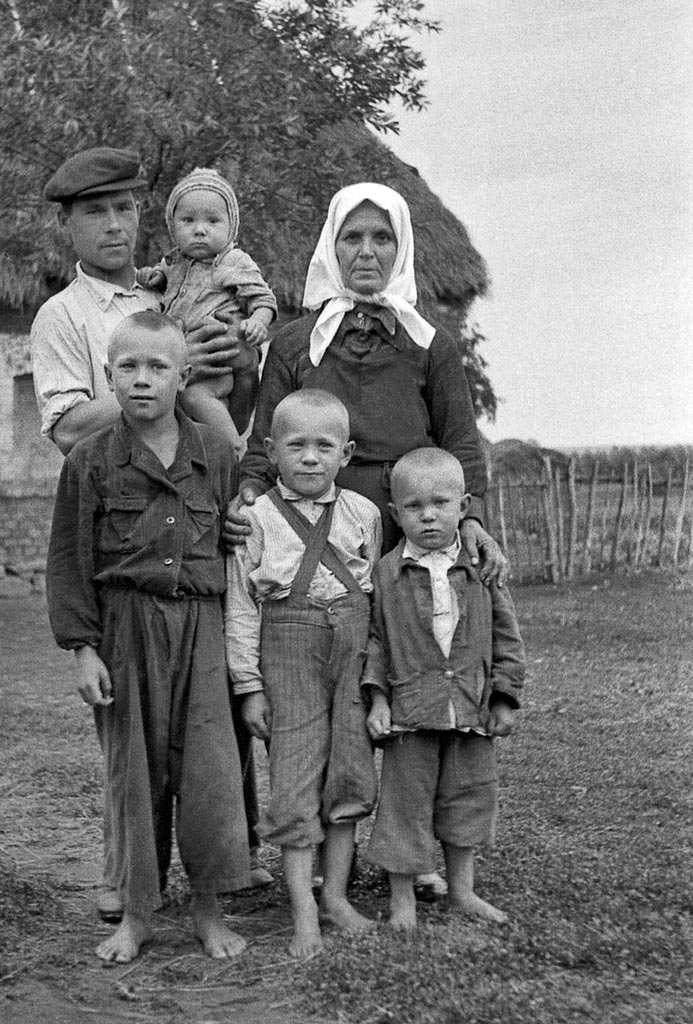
point(265, 567)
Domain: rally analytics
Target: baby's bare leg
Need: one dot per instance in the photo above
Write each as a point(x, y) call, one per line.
point(402, 902)
point(217, 940)
point(338, 852)
point(127, 940)
point(298, 871)
point(205, 402)
point(462, 899)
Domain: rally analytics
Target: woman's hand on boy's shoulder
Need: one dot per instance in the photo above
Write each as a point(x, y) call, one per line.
point(485, 552)
point(236, 526)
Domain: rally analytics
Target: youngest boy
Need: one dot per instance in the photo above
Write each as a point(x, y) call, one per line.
point(205, 276)
point(445, 666)
point(298, 607)
point(134, 582)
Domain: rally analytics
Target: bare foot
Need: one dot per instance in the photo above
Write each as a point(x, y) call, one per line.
point(473, 906)
point(125, 943)
point(403, 914)
point(339, 913)
point(217, 940)
point(306, 940)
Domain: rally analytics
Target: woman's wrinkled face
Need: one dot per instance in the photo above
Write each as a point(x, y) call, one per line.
point(366, 248)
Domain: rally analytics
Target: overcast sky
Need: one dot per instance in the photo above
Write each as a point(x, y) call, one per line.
point(560, 132)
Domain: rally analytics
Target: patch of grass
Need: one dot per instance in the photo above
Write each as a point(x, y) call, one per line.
point(25, 906)
point(592, 861)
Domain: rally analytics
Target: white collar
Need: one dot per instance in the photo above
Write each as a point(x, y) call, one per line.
point(418, 554)
point(290, 495)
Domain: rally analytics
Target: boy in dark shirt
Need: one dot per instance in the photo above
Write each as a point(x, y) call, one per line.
point(134, 580)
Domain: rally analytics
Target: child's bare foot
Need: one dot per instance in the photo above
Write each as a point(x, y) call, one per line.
point(306, 940)
point(127, 940)
point(338, 912)
point(473, 906)
point(403, 916)
point(217, 940)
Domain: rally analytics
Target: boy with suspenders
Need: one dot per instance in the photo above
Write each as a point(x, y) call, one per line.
point(297, 616)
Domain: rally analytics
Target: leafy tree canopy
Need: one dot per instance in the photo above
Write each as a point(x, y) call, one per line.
point(268, 91)
point(245, 86)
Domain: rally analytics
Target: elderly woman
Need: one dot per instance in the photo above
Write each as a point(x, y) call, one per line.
point(402, 380)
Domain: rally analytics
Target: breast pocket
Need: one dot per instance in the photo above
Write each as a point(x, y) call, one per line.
point(202, 528)
point(121, 527)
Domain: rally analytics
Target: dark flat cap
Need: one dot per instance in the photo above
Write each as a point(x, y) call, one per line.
point(94, 172)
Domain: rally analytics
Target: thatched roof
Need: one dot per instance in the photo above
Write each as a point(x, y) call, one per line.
point(450, 272)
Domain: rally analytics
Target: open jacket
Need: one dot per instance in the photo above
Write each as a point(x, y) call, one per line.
point(486, 661)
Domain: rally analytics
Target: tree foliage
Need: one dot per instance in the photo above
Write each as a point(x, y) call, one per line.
point(246, 86)
point(268, 91)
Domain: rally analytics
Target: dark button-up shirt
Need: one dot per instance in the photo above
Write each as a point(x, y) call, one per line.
point(486, 660)
point(121, 519)
point(399, 396)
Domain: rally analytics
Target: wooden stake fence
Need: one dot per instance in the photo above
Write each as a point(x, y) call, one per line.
point(554, 525)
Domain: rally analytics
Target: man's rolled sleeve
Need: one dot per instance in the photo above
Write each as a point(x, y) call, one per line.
point(61, 365)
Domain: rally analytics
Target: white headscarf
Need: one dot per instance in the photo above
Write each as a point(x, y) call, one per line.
point(324, 279)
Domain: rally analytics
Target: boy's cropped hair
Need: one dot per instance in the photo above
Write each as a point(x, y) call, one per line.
point(422, 459)
point(316, 398)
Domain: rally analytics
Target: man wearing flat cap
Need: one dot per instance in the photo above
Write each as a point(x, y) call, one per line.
point(70, 333)
point(69, 337)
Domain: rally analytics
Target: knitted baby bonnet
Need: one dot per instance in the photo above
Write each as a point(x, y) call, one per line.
point(204, 178)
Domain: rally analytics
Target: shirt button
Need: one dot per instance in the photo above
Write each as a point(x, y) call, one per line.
point(168, 561)
point(170, 519)
point(449, 674)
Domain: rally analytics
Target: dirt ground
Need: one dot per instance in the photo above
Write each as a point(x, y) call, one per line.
point(627, 644)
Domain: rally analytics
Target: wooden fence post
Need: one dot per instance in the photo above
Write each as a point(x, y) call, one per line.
point(560, 529)
point(513, 521)
point(605, 513)
point(663, 520)
point(644, 532)
point(572, 520)
point(631, 550)
point(501, 517)
point(552, 564)
point(680, 514)
point(587, 552)
point(619, 518)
